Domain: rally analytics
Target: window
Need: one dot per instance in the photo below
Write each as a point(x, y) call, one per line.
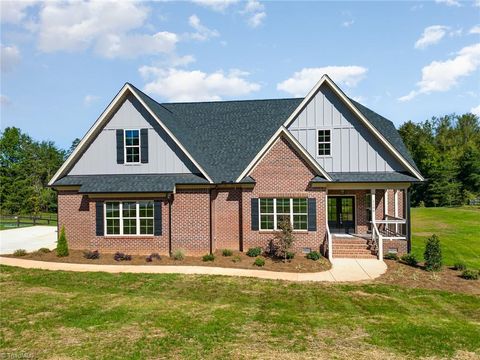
point(132, 146)
point(129, 218)
point(324, 142)
point(273, 211)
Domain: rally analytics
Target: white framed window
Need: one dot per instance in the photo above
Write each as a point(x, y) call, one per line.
point(324, 143)
point(128, 217)
point(274, 210)
point(132, 146)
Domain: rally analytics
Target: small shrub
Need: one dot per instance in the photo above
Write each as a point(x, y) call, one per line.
point(283, 240)
point(433, 254)
point(470, 274)
point(20, 252)
point(390, 256)
point(409, 259)
point(44, 250)
point(260, 261)
point(155, 256)
point(313, 255)
point(91, 255)
point(178, 255)
point(62, 245)
point(236, 259)
point(290, 255)
point(119, 256)
point(208, 257)
point(254, 252)
point(459, 266)
point(227, 252)
point(149, 258)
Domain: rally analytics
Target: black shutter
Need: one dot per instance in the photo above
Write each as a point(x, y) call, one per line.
point(99, 218)
point(120, 156)
point(157, 218)
point(254, 212)
point(312, 214)
point(144, 146)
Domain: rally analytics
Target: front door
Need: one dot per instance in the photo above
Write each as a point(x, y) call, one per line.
point(341, 214)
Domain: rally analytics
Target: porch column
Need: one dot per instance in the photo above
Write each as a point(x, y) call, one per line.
point(329, 236)
point(385, 203)
point(374, 224)
point(395, 207)
point(407, 216)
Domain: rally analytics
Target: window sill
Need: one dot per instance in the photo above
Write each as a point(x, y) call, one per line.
point(276, 231)
point(129, 236)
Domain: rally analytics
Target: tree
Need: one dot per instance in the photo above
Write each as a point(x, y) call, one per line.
point(283, 240)
point(433, 254)
point(62, 245)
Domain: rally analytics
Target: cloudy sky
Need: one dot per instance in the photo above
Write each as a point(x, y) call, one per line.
point(62, 62)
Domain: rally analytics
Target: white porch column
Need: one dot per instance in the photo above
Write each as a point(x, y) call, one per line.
point(385, 203)
point(395, 207)
point(374, 224)
point(329, 236)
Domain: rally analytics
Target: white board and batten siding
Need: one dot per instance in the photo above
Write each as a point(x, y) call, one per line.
point(101, 156)
point(353, 147)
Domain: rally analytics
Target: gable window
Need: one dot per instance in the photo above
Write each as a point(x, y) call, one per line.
point(273, 211)
point(132, 146)
point(129, 218)
point(324, 142)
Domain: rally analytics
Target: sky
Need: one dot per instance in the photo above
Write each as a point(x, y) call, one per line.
point(63, 62)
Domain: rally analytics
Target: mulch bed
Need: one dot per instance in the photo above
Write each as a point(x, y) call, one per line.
point(298, 264)
point(416, 277)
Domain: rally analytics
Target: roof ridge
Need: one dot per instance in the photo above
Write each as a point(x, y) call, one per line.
point(227, 101)
point(149, 97)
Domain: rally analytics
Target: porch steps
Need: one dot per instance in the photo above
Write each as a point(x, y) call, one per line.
point(352, 247)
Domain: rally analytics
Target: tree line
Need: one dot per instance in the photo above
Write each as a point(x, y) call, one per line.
point(446, 151)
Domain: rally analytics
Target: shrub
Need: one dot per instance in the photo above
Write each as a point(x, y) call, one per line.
point(62, 245)
point(290, 255)
point(390, 256)
point(283, 240)
point(409, 259)
point(313, 255)
point(470, 274)
point(155, 256)
point(260, 261)
point(433, 254)
point(43, 250)
point(119, 256)
point(227, 252)
point(459, 266)
point(20, 252)
point(236, 258)
point(254, 252)
point(91, 255)
point(208, 257)
point(178, 255)
point(149, 258)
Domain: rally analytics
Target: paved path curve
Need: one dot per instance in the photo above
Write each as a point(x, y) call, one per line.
point(29, 238)
point(342, 270)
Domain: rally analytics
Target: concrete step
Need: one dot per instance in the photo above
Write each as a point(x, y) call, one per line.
point(355, 256)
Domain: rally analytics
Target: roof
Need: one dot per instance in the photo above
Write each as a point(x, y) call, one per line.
point(347, 177)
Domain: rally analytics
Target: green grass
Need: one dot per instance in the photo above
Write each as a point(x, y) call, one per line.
point(136, 316)
point(457, 228)
point(7, 223)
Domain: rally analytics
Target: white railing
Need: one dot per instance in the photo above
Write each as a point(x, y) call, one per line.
point(329, 244)
point(377, 240)
point(392, 228)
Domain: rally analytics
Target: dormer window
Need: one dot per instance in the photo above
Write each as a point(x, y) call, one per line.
point(132, 146)
point(324, 143)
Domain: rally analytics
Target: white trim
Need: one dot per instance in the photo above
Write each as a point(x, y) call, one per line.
point(131, 146)
point(100, 122)
point(353, 108)
point(385, 202)
point(261, 154)
point(324, 142)
point(354, 208)
point(274, 214)
point(121, 218)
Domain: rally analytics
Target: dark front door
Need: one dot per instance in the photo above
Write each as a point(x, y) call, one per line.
point(341, 214)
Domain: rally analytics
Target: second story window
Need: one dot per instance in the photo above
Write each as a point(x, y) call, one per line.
point(132, 146)
point(324, 143)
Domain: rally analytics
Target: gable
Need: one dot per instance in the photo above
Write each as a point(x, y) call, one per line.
point(354, 148)
point(165, 157)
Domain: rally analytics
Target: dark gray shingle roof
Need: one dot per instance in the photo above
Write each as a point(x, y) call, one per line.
point(391, 176)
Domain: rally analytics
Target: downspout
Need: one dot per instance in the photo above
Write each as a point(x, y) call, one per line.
point(170, 200)
point(409, 224)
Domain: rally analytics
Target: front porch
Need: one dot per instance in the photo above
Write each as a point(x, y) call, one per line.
point(367, 223)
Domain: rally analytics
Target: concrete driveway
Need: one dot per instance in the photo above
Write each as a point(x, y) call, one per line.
point(29, 238)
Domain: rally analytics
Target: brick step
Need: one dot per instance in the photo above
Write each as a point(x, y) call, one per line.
point(349, 241)
point(351, 246)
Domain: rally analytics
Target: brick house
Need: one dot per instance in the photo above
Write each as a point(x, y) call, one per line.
point(157, 177)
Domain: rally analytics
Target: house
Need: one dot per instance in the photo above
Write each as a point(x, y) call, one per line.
point(157, 177)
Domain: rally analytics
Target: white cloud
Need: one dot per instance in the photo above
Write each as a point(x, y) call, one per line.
point(9, 57)
point(475, 110)
point(4, 100)
point(216, 5)
point(443, 75)
point(102, 25)
point(348, 23)
point(475, 30)
point(449, 2)
point(14, 12)
point(182, 85)
point(203, 33)
point(255, 12)
point(90, 99)
point(476, 3)
point(431, 35)
point(303, 81)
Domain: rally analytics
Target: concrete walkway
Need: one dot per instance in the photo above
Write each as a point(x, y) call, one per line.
point(29, 238)
point(343, 270)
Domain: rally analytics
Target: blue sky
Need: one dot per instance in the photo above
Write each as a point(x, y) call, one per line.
point(62, 62)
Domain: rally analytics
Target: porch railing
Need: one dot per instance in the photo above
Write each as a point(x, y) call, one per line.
point(392, 228)
point(329, 244)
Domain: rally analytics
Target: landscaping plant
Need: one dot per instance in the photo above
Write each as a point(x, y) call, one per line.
point(459, 266)
point(433, 254)
point(119, 256)
point(178, 254)
point(227, 252)
point(409, 259)
point(236, 258)
point(62, 245)
point(91, 255)
point(260, 261)
point(208, 257)
point(20, 252)
point(313, 255)
point(43, 250)
point(254, 252)
point(390, 256)
point(283, 240)
point(470, 274)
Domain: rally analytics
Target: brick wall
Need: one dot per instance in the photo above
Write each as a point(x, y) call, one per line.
point(226, 220)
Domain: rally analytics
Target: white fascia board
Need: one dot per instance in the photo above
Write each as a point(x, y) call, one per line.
point(260, 155)
point(353, 108)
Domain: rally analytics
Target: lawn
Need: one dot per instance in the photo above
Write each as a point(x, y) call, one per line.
point(47, 314)
point(457, 228)
point(7, 222)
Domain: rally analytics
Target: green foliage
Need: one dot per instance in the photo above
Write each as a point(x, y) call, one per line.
point(290, 255)
point(410, 259)
point(119, 256)
point(20, 252)
point(433, 254)
point(460, 266)
point(178, 254)
point(227, 252)
point(44, 250)
point(236, 259)
point(314, 255)
point(253, 252)
point(390, 256)
point(469, 274)
point(208, 257)
point(259, 261)
point(62, 245)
